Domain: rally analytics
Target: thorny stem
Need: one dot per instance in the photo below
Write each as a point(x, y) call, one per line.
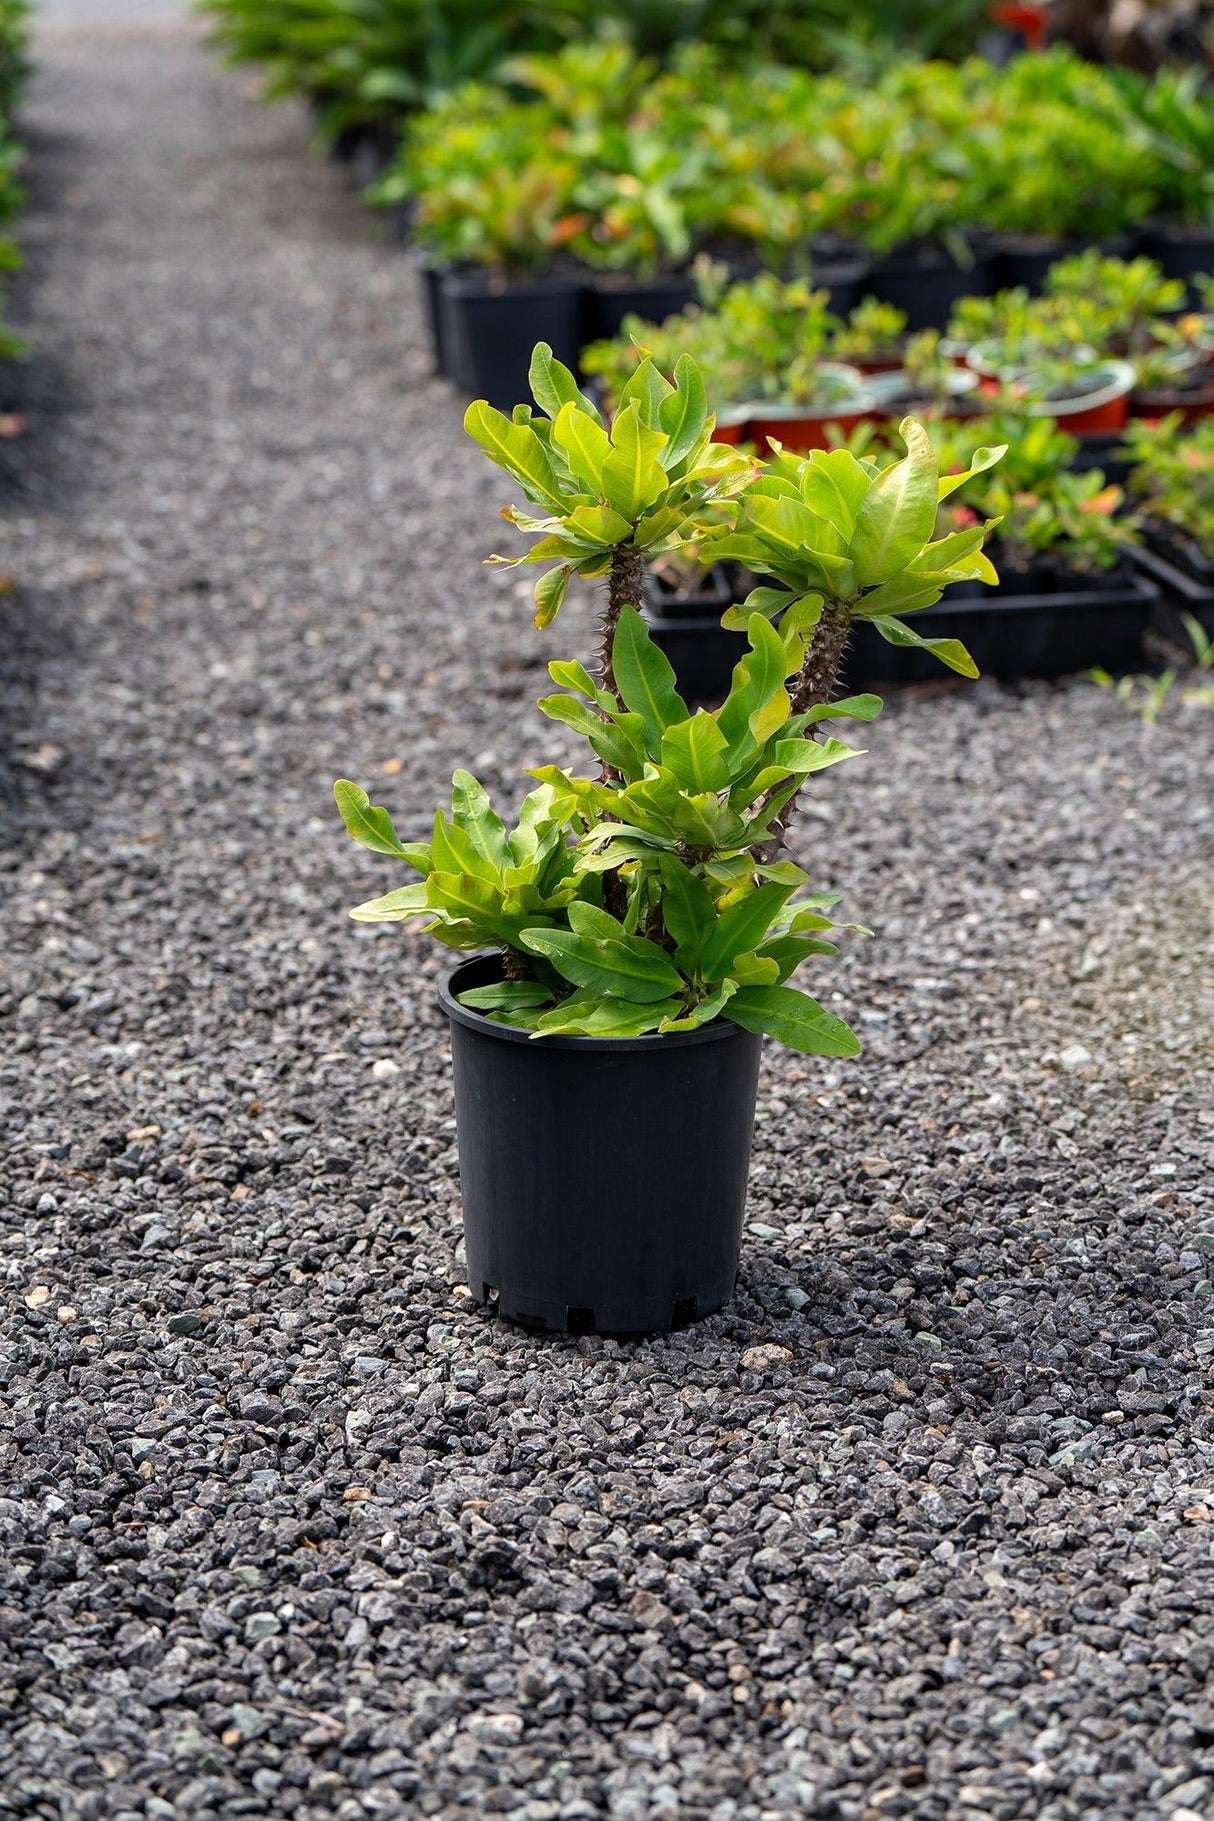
point(815, 684)
point(624, 584)
point(515, 965)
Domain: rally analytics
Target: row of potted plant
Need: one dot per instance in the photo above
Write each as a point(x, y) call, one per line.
point(639, 926)
point(1108, 338)
point(365, 64)
point(596, 156)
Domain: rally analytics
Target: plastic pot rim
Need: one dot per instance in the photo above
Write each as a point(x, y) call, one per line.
point(718, 1031)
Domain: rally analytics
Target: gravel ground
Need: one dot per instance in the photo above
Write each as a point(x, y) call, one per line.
point(919, 1527)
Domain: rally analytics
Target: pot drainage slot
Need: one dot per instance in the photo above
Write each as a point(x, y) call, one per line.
point(580, 1321)
point(683, 1312)
point(489, 1293)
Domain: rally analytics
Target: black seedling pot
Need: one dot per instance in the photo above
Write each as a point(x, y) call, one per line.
point(1025, 259)
point(713, 595)
point(610, 299)
point(430, 278)
point(700, 651)
point(604, 1179)
point(1182, 252)
point(926, 284)
point(489, 330)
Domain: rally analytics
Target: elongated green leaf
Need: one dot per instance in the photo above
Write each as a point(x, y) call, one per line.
point(598, 953)
point(370, 825)
point(834, 485)
point(394, 907)
point(601, 527)
point(583, 1015)
point(471, 808)
point(584, 444)
point(550, 592)
point(649, 388)
point(788, 952)
point(569, 674)
point(981, 460)
point(742, 927)
point(789, 525)
point(704, 1011)
point(506, 996)
point(683, 413)
point(851, 708)
point(688, 912)
point(465, 895)
point(517, 449)
point(645, 678)
point(453, 850)
point(614, 740)
point(898, 513)
point(757, 698)
point(696, 752)
point(706, 823)
point(949, 651)
point(801, 757)
point(793, 1018)
point(553, 385)
point(632, 478)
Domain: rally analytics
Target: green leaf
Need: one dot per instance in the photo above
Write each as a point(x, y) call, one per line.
point(757, 698)
point(601, 527)
point(980, 461)
point(632, 478)
point(517, 449)
point(553, 385)
point(704, 1011)
point(696, 752)
point(586, 1015)
point(688, 912)
point(851, 708)
point(584, 444)
point(649, 388)
point(644, 678)
point(834, 485)
point(684, 412)
point(465, 895)
point(742, 927)
point(569, 674)
point(506, 996)
point(598, 953)
point(949, 651)
point(394, 907)
point(550, 593)
point(370, 826)
point(899, 512)
point(793, 1018)
point(471, 808)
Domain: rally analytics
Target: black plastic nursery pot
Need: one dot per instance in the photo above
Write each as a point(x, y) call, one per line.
point(1079, 623)
point(604, 1179)
point(489, 329)
point(1024, 259)
point(926, 284)
point(713, 594)
point(610, 298)
point(1181, 252)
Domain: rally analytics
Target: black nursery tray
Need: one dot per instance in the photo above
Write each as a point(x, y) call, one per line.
point(1178, 594)
point(1008, 635)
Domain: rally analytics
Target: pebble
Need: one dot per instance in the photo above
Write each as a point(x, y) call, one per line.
point(853, 1545)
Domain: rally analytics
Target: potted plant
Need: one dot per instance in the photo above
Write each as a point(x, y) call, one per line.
point(928, 381)
point(642, 921)
point(873, 337)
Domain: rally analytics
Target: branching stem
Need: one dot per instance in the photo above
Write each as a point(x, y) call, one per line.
point(814, 684)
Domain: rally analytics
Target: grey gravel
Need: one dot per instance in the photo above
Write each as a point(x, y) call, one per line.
point(919, 1527)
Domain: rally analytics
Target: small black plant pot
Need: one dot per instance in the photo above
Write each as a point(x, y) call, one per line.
point(926, 284)
point(604, 1179)
point(430, 277)
point(489, 329)
point(1182, 252)
point(1025, 259)
point(609, 299)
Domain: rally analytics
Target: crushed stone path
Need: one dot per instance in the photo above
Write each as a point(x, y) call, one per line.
point(920, 1526)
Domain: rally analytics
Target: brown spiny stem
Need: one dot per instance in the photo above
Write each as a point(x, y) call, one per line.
point(515, 965)
point(814, 685)
point(624, 583)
